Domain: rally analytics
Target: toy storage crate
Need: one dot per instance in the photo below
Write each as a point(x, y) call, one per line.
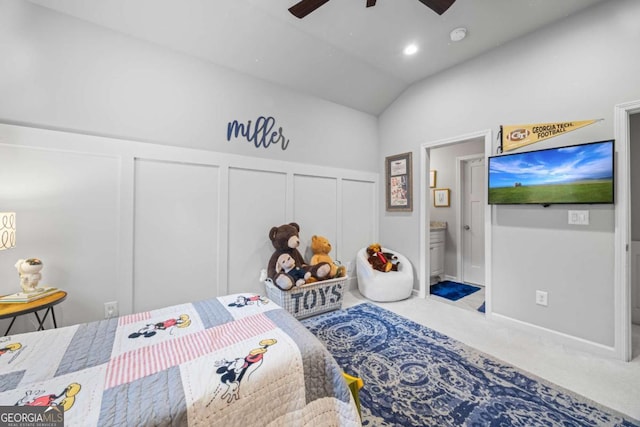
point(310, 299)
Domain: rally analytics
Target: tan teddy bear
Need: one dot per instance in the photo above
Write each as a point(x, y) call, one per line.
point(321, 247)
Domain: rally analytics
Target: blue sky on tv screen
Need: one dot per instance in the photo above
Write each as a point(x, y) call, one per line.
point(555, 166)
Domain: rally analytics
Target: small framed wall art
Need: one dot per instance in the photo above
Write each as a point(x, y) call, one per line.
point(432, 179)
point(398, 183)
point(441, 197)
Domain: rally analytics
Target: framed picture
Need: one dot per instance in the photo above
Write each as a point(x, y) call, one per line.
point(399, 185)
point(432, 179)
point(441, 197)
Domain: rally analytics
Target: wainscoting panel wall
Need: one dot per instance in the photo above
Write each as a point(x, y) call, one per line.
point(257, 202)
point(315, 210)
point(67, 216)
point(149, 225)
point(359, 219)
point(175, 232)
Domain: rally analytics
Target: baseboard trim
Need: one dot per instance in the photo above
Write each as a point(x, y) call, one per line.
point(561, 338)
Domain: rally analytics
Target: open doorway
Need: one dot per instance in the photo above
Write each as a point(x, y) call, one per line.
point(455, 221)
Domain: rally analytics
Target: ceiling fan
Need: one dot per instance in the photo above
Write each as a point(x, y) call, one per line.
point(305, 7)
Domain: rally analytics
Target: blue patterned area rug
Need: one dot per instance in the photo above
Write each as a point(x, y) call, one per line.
point(452, 290)
point(414, 376)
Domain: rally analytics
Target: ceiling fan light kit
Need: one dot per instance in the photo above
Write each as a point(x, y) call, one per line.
point(305, 7)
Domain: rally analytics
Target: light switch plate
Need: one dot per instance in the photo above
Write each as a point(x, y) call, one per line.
point(579, 217)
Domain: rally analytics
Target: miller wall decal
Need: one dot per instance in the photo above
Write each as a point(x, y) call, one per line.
point(516, 136)
point(261, 133)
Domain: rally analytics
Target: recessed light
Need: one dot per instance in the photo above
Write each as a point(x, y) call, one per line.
point(458, 34)
point(410, 49)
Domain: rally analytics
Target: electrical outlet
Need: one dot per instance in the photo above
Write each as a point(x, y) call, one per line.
point(541, 298)
point(349, 266)
point(110, 309)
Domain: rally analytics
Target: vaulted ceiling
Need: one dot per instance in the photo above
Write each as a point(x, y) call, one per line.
point(343, 52)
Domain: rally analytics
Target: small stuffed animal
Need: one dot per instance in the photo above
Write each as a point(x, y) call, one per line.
point(382, 261)
point(287, 264)
point(285, 239)
point(321, 247)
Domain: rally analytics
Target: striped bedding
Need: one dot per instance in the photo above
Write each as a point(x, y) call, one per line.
point(232, 360)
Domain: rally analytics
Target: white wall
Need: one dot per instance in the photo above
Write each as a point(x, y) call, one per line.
point(577, 69)
point(136, 195)
point(64, 73)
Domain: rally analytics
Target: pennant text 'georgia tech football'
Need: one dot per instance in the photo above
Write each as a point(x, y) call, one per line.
point(516, 136)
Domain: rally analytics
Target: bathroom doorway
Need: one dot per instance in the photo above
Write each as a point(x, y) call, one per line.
point(446, 163)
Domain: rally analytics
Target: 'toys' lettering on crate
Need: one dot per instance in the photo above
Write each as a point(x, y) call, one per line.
point(317, 297)
point(309, 305)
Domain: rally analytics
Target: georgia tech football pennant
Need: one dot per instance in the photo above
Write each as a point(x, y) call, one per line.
point(516, 136)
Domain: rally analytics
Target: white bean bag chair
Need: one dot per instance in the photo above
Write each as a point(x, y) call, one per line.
point(383, 287)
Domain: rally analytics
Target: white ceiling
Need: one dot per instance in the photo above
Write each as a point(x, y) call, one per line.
point(342, 52)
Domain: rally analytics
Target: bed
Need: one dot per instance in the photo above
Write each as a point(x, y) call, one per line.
point(236, 360)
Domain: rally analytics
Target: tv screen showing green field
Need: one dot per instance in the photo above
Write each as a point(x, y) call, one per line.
point(575, 174)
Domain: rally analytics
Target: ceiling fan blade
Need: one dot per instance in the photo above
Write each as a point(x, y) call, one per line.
point(371, 3)
point(305, 7)
point(438, 6)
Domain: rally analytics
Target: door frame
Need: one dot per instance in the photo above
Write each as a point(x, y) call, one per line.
point(622, 275)
point(460, 209)
point(425, 215)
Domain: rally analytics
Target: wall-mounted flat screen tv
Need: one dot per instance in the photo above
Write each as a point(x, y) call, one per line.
point(576, 174)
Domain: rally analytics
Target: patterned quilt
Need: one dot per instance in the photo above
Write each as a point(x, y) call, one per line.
point(237, 360)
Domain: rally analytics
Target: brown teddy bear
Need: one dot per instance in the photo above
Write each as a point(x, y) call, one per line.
point(286, 240)
point(321, 247)
point(382, 261)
